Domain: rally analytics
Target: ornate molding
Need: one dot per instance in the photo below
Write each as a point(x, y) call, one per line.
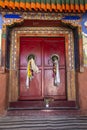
point(47, 16)
point(10, 21)
point(39, 32)
point(43, 31)
point(42, 15)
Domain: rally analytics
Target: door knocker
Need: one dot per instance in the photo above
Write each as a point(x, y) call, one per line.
point(31, 68)
point(55, 60)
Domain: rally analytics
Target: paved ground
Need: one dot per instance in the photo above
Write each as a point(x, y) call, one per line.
point(43, 122)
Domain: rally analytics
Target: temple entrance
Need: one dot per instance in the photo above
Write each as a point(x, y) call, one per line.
point(52, 86)
point(42, 86)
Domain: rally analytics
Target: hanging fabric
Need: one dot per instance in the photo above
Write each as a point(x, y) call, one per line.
point(56, 74)
point(31, 69)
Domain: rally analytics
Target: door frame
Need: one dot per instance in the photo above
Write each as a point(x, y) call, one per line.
point(17, 32)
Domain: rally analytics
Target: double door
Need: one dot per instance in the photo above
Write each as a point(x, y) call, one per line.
point(42, 85)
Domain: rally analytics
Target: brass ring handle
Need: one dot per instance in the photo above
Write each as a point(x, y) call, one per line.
point(54, 57)
point(30, 56)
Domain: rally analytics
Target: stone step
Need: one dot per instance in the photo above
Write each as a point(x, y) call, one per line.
point(43, 123)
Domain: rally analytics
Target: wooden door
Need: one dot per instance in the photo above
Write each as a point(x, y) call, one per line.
point(42, 85)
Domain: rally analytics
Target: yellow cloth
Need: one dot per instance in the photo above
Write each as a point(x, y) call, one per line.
point(29, 73)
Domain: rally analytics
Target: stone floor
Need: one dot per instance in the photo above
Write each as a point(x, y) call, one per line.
point(43, 120)
point(43, 123)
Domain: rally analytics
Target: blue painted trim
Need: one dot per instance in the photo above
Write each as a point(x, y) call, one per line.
point(71, 18)
point(84, 19)
point(1, 21)
point(15, 16)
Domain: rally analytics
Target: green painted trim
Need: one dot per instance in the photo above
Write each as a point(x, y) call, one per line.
point(23, 1)
point(68, 2)
point(59, 2)
point(3, 35)
point(28, 1)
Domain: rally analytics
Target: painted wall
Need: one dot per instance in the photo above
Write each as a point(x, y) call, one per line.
point(82, 77)
point(1, 21)
point(2, 77)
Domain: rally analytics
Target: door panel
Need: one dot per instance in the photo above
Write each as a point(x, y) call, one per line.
point(54, 46)
point(30, 46)
point(35, 90)
point(42, 85)
point(56, 92)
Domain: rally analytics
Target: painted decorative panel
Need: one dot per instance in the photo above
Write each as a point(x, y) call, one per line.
point(84, 36)
point(85, 49)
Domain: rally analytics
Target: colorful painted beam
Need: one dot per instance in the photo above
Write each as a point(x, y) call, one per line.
point(46, 5)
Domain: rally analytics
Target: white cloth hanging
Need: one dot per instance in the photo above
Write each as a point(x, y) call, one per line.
point(27, 82)
point(31, 67)
point(57, 75)
point(34, 66)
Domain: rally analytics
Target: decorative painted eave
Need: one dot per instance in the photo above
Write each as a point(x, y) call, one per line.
point(46, 5)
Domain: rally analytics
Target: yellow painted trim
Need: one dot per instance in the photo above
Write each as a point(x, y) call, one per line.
point(67, 7)
point(6, 3)
point(81, 7)
point(22, 5)
point(43, 6)
point(28, 6)
point(17, 5)
point(63, 7)
point(59, 7)
point(33, 5)
point(72, 7)
point(12, 4)
point(48, 7)
point(53, 6)
point(2, 4)
point(85, 6)
point(38, 5)
point(76, 7)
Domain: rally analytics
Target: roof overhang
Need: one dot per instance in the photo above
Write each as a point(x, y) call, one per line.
point(45, 5)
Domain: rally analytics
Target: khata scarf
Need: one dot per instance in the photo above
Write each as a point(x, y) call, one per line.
point(31, 69)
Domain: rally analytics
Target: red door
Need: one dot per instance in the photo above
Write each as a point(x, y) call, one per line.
point(42, 85)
